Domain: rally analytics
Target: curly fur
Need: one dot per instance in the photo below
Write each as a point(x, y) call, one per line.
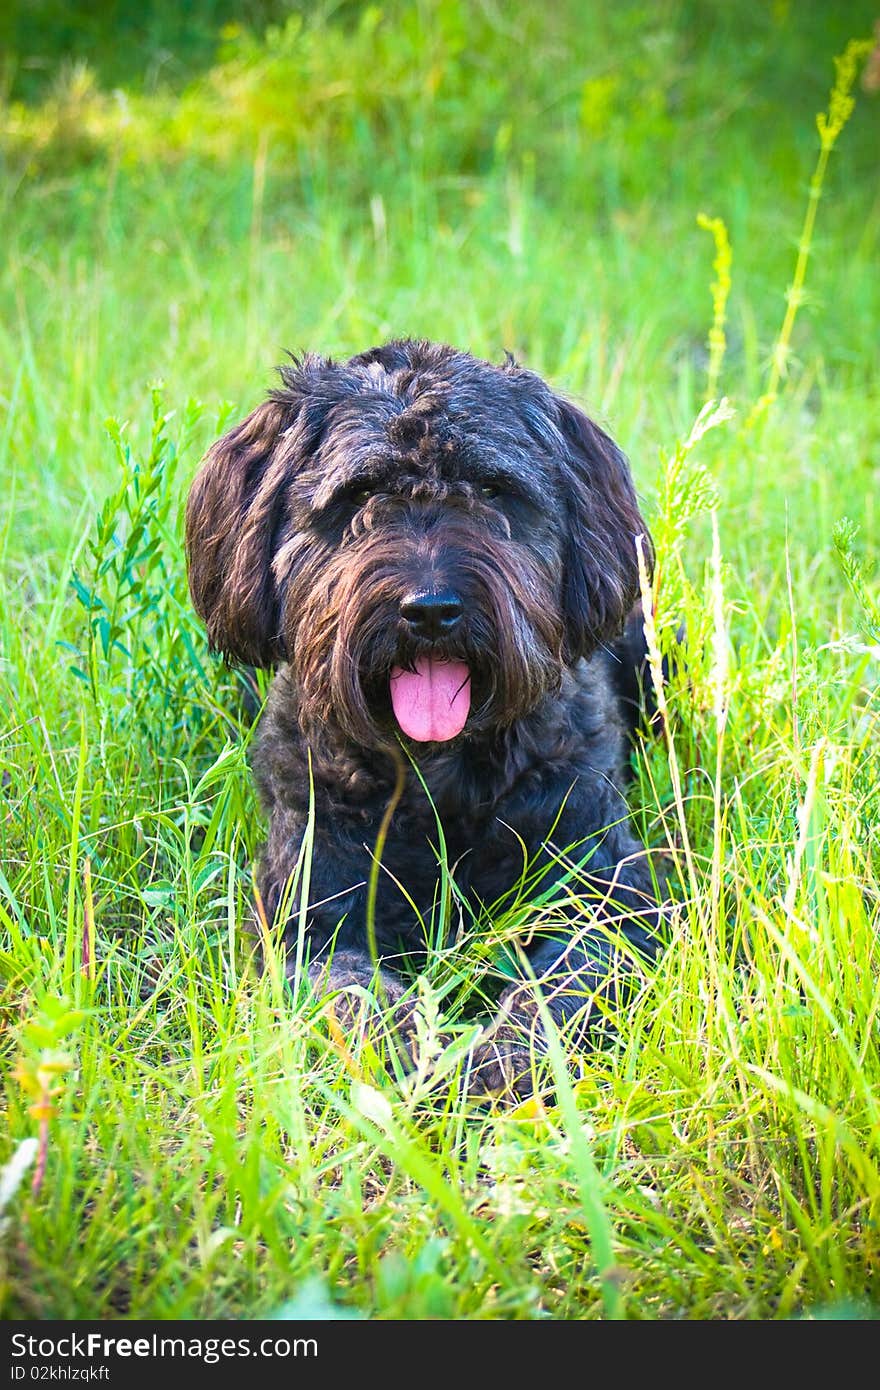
point(417, 468)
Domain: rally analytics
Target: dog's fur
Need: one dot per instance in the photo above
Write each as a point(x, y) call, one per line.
point(417, 469)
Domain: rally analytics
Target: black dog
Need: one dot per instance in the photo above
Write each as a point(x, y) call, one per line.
point(440, 555)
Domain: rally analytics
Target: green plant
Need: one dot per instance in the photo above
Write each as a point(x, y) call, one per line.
point(43, 1066)
point(720, 292)
point(144, 660)
point(829, 124)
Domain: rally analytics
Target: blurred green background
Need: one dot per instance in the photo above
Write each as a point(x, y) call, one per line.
point(189, 191)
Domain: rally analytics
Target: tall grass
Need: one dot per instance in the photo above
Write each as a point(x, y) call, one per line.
point(209, 1144)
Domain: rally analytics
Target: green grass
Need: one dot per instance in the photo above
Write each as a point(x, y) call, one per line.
point(498, 178)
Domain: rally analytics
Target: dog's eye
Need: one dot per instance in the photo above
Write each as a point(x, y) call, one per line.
point(490, 490)
point(360, 496)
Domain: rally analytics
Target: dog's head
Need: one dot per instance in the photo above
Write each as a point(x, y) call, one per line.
point(429, 539)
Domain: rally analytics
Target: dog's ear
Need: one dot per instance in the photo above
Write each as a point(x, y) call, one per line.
point(600, 560)
point(233, 515)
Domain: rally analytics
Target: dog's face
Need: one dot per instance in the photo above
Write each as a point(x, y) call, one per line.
point(427, 538)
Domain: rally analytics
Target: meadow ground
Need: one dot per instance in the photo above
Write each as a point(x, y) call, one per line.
point(181, 206)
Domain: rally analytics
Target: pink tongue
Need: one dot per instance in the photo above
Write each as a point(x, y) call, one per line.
point(432, 702)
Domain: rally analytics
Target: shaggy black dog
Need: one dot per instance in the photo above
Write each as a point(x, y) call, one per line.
point(440, 557)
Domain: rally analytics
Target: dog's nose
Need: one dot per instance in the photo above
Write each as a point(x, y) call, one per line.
point(432, 614)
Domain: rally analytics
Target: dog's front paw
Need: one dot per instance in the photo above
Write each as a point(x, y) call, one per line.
point(360, 1001)
point(504, 1062)
point(501, 1066)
